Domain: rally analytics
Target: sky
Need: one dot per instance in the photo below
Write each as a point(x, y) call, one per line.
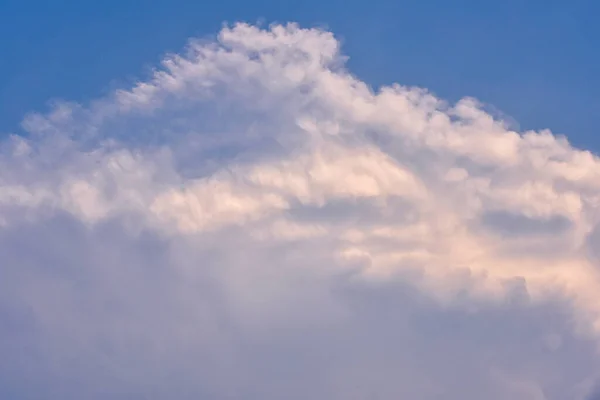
point(535, 60)
point(308, 202)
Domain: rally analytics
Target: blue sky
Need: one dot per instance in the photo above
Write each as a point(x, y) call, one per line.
point(534, 60)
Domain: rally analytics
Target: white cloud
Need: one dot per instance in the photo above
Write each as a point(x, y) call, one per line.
point(255, 222)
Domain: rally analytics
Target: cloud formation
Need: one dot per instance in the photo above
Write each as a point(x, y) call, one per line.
point(254, 222)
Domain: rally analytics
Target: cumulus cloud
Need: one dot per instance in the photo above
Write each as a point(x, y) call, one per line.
point(254, 222)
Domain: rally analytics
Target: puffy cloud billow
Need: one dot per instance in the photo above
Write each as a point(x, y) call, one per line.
point(254, 222)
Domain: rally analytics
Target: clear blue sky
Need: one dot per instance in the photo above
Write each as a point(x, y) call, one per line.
point(536, 60)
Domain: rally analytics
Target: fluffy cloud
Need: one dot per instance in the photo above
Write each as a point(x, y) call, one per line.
point(254, 222)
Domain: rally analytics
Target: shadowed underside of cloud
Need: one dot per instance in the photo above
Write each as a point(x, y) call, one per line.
point(253, 222)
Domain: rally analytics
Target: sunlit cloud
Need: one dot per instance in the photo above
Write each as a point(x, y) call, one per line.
point(255, 222)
